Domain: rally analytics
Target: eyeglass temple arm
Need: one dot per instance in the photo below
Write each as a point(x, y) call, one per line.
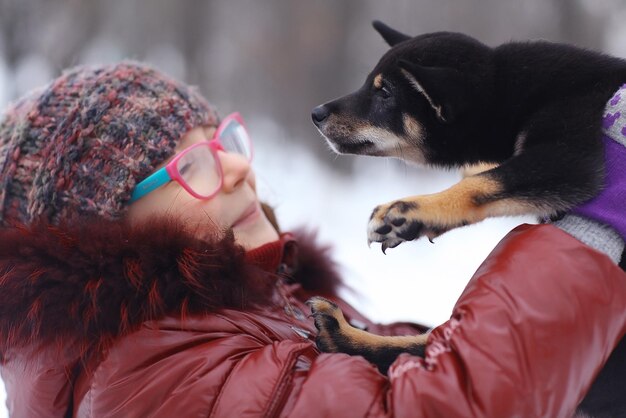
point(156, 179)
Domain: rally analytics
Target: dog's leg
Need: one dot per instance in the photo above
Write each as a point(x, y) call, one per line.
point(337, 336)
point(469, 201)
point(560, 166)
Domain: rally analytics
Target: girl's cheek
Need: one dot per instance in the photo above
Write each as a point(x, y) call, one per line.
point(252, 180)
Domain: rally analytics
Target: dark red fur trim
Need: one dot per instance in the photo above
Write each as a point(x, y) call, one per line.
point(316, 270)
point(93, 282)
point(90, 283)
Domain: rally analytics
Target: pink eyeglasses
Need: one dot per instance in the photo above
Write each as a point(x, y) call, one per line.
point(197, 168)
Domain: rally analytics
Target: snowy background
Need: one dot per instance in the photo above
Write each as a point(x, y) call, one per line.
point(273, 61)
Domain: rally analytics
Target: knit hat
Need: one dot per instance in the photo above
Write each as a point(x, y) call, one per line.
point(79, 146)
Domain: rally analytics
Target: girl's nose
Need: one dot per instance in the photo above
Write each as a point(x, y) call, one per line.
point(235, 168)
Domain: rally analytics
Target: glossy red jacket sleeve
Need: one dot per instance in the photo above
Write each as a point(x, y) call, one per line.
point(527, 336)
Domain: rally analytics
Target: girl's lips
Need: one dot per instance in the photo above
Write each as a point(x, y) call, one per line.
point(248, 216)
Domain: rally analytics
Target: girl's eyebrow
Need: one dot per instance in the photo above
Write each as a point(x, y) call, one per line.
point(207, 133)
point(168, 159)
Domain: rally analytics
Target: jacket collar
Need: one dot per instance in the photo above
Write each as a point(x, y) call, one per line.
point(270, 256)
point(93, 282)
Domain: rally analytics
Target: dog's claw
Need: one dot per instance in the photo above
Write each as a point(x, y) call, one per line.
point(389, 244)
point(369, 243)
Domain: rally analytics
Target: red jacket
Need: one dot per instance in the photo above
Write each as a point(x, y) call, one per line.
point(106, 320)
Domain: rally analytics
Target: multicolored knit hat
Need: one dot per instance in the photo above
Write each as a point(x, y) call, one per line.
point(78, 146)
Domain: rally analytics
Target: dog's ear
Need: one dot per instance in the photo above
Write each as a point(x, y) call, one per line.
point(444, 88)
point(391, 36)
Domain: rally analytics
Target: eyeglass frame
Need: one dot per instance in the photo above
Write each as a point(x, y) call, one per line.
point(169, 172)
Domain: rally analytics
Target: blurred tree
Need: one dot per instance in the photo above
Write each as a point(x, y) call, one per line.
point(55, 29)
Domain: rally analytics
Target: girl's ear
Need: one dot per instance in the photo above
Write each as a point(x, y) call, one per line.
point(391, 36)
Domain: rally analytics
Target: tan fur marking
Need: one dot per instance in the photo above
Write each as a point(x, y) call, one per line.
point(378, 81)
point(388, 144)
point(412, 127)
point(364, 339)
point(512, 207)
point(457, 204)
point(360, 338)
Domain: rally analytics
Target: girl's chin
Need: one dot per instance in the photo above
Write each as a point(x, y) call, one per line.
point(255, 235)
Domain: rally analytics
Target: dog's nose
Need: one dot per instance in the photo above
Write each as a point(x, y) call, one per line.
point(319, 114)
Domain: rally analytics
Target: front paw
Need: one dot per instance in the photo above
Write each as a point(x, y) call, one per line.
point(395, 223)
point(329, 321)
point(337, 336)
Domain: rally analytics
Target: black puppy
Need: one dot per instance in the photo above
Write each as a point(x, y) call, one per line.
point(529, 114)
point(532, 111)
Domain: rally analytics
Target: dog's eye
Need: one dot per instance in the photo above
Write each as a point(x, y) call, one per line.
point(385, 91)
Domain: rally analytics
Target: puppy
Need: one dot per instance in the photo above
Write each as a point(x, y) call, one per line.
point(532, 111)
point(528, 116)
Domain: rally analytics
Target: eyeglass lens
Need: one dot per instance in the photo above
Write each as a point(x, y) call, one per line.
point(234, 138)
point(198, 168)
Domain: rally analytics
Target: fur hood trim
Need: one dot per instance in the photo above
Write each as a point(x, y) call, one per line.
point(92, 283)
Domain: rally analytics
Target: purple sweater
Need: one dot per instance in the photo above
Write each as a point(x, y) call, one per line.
point(609, 207)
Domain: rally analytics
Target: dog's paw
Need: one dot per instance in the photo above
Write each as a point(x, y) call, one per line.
point(397, 222)
point(335, 335)
point(329, 322)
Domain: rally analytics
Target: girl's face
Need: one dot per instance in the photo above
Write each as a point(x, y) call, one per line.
point(235, 206)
